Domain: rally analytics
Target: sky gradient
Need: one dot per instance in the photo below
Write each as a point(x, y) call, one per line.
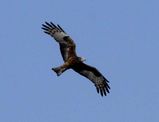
point(120, 38)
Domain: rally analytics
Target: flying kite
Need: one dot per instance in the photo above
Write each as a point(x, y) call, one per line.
point(72, 61)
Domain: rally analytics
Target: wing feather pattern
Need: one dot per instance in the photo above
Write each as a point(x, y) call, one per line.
point(100, 82)
point(53, 30)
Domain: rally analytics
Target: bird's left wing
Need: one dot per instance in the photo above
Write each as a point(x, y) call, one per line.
point(100, 82)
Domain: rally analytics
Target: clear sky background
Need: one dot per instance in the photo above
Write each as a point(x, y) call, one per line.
point(119, 37)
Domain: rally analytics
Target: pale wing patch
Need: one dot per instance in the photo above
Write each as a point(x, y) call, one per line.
point(58, 36)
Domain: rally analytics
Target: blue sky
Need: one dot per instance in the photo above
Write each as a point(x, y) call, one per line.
point(120, 38)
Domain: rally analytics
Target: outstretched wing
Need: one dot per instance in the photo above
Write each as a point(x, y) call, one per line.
point(100, 82)
point(67, 46)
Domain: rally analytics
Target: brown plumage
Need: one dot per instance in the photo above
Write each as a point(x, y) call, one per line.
point(72, 61)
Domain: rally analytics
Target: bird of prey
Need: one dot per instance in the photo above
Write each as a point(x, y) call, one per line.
point(72, 61)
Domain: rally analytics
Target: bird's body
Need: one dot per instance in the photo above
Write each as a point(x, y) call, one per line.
point(72, 61)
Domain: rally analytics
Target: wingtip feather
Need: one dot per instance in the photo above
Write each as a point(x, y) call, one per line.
point(48, 24)
point(47, 32)
point(61, 28)
point(53, 24)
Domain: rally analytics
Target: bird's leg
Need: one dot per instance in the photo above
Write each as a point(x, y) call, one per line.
point(59, 70)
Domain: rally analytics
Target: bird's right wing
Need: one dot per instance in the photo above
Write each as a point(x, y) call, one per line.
point(61, 37)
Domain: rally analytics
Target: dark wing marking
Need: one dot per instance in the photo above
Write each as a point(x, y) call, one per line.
point(100, 82)
point(68, 50)
point(64, 51)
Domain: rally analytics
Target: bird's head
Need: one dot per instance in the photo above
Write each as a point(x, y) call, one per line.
point(81, 59)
